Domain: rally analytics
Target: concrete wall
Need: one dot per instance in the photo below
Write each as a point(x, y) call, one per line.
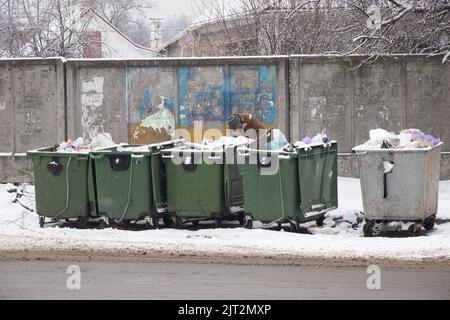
point(31, 112)
point(393, 93)
point(142, 101)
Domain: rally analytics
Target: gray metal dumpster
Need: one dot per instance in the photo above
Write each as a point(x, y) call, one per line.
point(399, 185)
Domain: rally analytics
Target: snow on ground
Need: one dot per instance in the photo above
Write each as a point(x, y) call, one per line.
point(340, 236)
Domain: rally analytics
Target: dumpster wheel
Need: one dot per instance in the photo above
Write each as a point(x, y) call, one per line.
point(368, 228)
point(241, 218)
point(248, 222)
point(217, 222)
point(155, 222)
point(167, 220)
point(178, 222)
point(82, 222)
point(319, 222)
point(102, 224)
point(429, 223)
point(294, 226)
point(195, 222)
point(415, 230)
point(41, 221)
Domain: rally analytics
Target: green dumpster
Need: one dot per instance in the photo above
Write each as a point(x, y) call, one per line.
point(61, 184)
point(123, 182)
point(302, 188)
point(203, 184)
point(129, 182)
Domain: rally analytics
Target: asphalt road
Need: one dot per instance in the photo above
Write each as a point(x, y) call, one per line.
point(122, 278)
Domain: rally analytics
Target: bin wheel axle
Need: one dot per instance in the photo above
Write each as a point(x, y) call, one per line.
point(319, 222)
point(241, 218)
point(167, 220)
point(82, 222)
point(155, 222)
point(429, 223)
point(248, 222)
point(415, 230)
point(368, 228)
point(294, 226)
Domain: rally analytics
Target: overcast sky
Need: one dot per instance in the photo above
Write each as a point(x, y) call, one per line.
point(167, 8)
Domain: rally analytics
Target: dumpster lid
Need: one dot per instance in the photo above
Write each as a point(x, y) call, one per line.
point(164, 143)
point(49, 150)
point(361, 149)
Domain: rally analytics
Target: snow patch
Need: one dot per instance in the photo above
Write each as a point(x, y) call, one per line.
point(341, 234)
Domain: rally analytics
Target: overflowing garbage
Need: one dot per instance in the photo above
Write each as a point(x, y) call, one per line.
point(211, 143)
point(385, 177)
point(148, 185)
point(102, 140)
point(318, 139)
point(405, 139)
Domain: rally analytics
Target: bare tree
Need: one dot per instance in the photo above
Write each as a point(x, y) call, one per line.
point(44, 28)
point(370, 27)
point(58, 27)
point(173, 25)
point(129, 16)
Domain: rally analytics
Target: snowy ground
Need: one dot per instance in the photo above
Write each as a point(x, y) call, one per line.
point(341, 235)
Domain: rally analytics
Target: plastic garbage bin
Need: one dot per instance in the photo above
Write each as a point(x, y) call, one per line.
point(159, 185)
point(399, 185)
point(123, 188)
point(61, 184)
point(302, 189)
point(129, 182)
point(203, 184)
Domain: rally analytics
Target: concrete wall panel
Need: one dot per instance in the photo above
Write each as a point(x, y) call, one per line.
point(32, 112)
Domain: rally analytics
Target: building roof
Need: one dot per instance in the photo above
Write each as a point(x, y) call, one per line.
point(196, 26)
point(121, 33)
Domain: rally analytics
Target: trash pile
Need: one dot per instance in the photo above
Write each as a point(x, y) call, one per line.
point(76, 145)
point(405, 139)
point(102, 140)
point(211, 144)
point(318, 139)
point(277, 141)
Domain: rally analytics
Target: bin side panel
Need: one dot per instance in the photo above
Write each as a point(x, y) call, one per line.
point(196, 193)
point(51, 188)
point(431, 189)
point(158, 179)
point(234, 177)
point(92, 189)
point(317, 170)
point(270, 197)
point(113, 189)
point(397, 195)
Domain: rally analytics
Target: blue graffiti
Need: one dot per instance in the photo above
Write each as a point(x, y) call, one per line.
point(218, 101)
point(145, 103)
point(260, 100)
point(169, 103)
point(183, 98)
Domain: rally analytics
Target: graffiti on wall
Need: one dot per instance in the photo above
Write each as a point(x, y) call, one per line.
point(150, 104)
point(212, 94)
point(204, 93)
point(253, 89)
